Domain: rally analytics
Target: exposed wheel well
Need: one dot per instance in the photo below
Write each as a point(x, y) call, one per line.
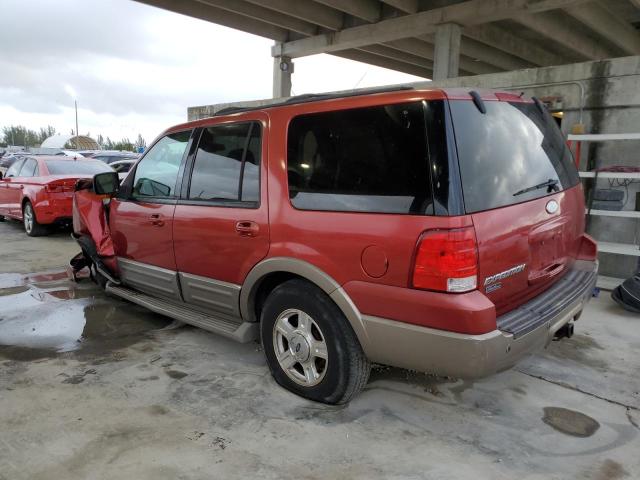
point(267, 284)
point(24, 201)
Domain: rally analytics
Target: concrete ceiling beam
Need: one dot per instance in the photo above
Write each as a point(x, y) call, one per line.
point(504, 41)
point(484, 53)
point(426, 50)
point(555, 28)
point(221, 17)
point(421, 23)
point(504, 61)
point(399, 55)
point(601, 21)
point(308, 11)
point(369, 10)
point(406, 6)
point(258, 12)
point(377, 60)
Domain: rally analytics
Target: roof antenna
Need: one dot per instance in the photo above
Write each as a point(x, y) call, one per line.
point(477, 100)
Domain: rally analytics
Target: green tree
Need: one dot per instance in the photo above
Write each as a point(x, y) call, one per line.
point(45, 133)
point(19, 135)
point(140, 142)
point(124, 144)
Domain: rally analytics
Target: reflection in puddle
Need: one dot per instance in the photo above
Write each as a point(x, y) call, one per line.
point(9, 280)
point(13, 290)
point(59, 329)
point(38, 321)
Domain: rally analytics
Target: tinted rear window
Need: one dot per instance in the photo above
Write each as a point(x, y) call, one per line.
point(513, 147)
point(372, 159)
point(73, 167)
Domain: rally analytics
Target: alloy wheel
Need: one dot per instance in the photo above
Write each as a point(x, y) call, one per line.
point(300, 347)
point(28, 218)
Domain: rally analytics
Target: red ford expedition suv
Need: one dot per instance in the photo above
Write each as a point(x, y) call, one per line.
point(436, 230)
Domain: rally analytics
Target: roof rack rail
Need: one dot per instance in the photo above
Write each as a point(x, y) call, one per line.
point(230, 110)
point(314, 97)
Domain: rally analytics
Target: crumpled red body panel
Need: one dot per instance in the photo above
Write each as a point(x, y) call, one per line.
point(89, 218)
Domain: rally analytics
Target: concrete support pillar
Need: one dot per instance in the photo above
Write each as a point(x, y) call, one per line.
point(446, 56)
point(282, 70)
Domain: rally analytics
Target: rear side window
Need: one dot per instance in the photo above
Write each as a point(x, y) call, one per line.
point(227, 164)
point(29, 168)
point(13, 170)
point(73, 167)
point(372, 159)
point(511, 154)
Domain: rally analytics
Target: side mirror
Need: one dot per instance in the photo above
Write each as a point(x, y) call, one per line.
point(106, 183)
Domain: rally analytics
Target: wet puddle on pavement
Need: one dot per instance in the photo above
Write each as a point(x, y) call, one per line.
point(44, 315)
point(20, 280)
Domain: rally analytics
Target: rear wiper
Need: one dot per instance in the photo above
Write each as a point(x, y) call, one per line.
point(552, 185)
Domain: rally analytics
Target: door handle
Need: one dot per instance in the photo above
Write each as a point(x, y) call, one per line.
point(246, 228)
point(156, 220)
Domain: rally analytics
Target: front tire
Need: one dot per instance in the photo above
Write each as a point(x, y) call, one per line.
point(310, 347)
point(30, 222)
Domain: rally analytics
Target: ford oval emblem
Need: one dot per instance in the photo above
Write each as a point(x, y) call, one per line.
point(552, 206)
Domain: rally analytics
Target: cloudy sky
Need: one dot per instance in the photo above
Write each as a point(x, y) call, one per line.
point(135, 69)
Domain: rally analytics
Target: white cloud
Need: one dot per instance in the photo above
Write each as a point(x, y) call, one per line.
point(135, 69)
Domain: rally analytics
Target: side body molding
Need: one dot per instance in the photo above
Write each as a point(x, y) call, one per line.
point(311, 273)
point(156, 281)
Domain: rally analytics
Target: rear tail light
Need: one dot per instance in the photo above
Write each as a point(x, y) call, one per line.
point(447, 261)
point(60, 187)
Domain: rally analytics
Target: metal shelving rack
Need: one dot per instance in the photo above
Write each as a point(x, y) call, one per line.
point(632, 250)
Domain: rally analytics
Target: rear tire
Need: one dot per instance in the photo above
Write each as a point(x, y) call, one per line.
point(1, 218)
point(30, 222)
point(310, 347)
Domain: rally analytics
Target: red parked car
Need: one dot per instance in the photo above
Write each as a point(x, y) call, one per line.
point(38, 190)
point(437, 230)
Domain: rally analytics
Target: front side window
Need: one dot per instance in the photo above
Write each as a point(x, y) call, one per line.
point(227, 164)
point(372, 159)
point(157, 173)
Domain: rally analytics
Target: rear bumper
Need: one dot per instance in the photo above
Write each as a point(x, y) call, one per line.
point(474, 356)
point(54, 209)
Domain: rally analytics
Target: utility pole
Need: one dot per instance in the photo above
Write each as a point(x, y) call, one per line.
point(76, 104)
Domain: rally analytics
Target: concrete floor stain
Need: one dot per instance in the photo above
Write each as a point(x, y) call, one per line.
point(581, 349)
point(176, 374)
point(570, 422)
